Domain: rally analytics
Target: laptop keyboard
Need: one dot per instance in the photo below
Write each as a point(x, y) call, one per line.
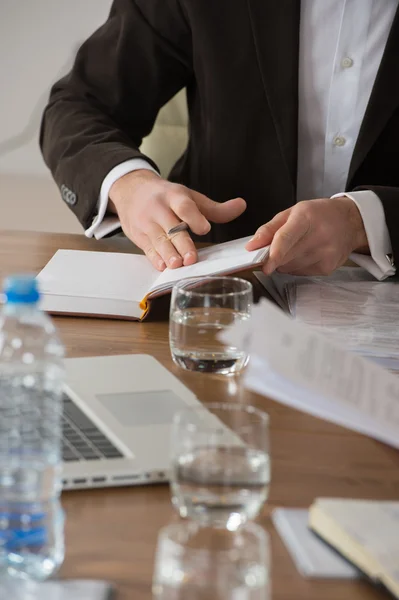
point(82, 440)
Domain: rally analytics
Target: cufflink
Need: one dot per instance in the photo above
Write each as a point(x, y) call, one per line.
point(68, 195)
point(390, 259)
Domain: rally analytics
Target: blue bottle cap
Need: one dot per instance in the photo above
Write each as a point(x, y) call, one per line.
point(21, 289)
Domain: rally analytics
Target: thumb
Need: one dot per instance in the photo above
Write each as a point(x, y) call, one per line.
point(219, 212)
point(265, 234)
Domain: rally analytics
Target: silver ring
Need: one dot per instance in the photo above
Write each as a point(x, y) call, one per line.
point(177, 229)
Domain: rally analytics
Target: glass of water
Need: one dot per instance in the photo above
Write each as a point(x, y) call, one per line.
point(220, 464)
point(198, 563)
point(200, 309)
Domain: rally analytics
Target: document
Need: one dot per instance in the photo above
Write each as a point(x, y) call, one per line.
point(349, 305)
point(297, 365)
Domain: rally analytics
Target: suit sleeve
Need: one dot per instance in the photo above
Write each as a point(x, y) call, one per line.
point(389, 197)
point(99, 113)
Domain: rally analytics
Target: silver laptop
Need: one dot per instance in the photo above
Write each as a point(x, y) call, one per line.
point(117, 418)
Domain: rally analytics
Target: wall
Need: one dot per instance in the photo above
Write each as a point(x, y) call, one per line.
point(38, 39)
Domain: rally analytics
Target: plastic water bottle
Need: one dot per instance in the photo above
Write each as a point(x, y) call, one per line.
point(31, 377)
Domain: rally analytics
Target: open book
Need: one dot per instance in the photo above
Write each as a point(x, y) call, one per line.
point(121, 285)
point(366, 532)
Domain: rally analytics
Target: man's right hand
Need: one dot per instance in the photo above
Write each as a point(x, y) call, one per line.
point(148, 207)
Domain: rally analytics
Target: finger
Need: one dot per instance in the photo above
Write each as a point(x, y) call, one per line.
point(312, 269)
point(300, 262)
point(161, 243)
point(143, 242)
point(182, 240)
point(219, 212)
point(296, 228)
point(187, 210)
point(185, 247)
point(305, 249)
point(264, 235)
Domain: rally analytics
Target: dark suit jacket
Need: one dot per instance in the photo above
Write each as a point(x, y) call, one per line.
point(238, 60)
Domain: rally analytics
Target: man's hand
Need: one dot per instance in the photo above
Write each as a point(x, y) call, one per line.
point(314, 237)
point(149, 206)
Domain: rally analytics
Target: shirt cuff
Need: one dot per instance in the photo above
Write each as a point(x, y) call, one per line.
point(379, 263)
point(104, 224)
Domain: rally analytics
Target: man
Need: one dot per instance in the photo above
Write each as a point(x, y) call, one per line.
point(290, 103)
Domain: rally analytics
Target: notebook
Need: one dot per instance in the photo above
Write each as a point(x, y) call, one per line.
point(365, 532)
point(312, 557)
point(111, 284)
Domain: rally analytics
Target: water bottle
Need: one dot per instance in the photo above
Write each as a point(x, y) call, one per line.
point(31, 377)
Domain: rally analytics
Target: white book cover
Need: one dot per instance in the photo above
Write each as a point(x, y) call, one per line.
point(120, 285)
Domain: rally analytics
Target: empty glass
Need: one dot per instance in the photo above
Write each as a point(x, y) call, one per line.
point(220, 463)
point(200, 309)
point(205, 564)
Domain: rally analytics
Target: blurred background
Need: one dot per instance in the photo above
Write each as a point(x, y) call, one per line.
point(38, 42)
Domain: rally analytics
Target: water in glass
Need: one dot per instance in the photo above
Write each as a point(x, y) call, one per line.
point(194, 340)
point(201, 308)
point(220, 464)
point(219, 486)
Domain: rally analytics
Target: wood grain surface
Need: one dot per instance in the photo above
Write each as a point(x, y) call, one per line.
point(111, 533)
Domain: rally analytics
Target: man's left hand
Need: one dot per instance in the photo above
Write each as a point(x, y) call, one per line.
point(314, 237)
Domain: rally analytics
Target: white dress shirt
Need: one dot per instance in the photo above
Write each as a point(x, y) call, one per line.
point(340, 50)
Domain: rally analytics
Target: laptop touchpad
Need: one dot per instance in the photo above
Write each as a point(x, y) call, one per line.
point(141, 409)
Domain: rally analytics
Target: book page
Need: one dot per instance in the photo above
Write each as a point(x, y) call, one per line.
point(108, 275)
point(222, 258)
point(295, 364)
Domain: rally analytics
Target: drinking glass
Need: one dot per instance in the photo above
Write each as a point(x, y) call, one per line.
point(206, 564)
point(220, 471)
point(200, 309)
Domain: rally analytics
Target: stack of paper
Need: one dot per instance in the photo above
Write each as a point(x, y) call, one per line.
point(295, 364)
point(312, 557)
point(350, 305)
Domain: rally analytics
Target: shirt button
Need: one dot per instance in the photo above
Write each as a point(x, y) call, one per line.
point(347, 62)
point(339, 141)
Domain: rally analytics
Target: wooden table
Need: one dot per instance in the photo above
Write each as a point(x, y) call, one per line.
point(111, 533)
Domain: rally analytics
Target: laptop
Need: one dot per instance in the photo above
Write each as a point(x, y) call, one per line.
point(117, 416)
